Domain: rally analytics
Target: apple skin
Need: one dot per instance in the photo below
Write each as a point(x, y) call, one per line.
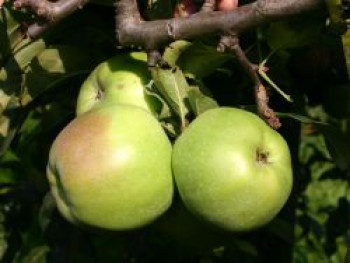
point(218, 175)
point(227, 5)
point(110, 168)
point(121, 80)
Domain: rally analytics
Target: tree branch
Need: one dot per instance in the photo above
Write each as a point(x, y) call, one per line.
point(53, 12)
point(155, 34)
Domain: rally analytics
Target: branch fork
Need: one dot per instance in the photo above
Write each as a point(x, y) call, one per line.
point(52, 12)
point(131, 29)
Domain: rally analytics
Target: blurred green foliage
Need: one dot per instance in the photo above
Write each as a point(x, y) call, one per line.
point(39, 81)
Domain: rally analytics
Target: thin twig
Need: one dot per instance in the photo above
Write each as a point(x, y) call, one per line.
point(231, 42)
point(52, 12)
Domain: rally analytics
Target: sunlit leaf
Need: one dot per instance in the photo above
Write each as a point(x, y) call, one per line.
point(199, 101)
point(53, 64)
point(172, 85)
point(37, 255)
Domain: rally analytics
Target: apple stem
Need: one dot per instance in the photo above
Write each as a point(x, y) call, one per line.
point(154, 58)
point(230, 42)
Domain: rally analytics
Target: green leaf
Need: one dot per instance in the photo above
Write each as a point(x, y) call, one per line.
point(301, 118)
point(337, 23)
point(282, 229)
point(164, 111)
point(294, 32)
point(10, 31)
point(174, 51)
point(347, 257)
point(245, 246)
point(265, 76)
point(195, 59)
point(172, 85)
point(170, 126)
point(47, 208)
point(346, 47)
point(11, 73)
point(3, 241)
point(25, 52)
point(37, 255)
point(338, 145)
point(55, 64)
point(199, 101)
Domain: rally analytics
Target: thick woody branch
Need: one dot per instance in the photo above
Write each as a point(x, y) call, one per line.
point(131, 30)
point(155, 34)
point(52, 12)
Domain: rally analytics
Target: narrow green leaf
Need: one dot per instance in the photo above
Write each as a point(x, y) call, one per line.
point(172, 85)
point(301, 118)
point(263, 74)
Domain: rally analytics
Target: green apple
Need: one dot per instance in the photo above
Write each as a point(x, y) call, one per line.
point(232, 169)
point(121, 80)
point(111, 168)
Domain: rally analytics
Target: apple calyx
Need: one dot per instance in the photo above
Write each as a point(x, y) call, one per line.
point(262, 157)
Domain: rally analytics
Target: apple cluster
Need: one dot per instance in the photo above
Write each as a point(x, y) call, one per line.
point(113, 166)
